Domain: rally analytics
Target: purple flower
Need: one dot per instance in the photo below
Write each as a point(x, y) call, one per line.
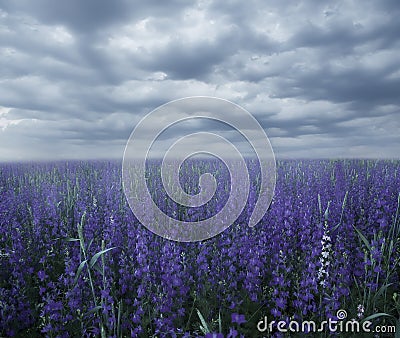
point(232, 333)
point(237, 318)
point(42, 275)
point(276, 313)
point(214, 335)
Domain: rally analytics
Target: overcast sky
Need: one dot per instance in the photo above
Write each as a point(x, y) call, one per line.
point(322, 77)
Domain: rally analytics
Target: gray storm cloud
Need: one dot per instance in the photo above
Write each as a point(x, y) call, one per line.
point(322, 78)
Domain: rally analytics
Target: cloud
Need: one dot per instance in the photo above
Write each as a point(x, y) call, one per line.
point(321, 78)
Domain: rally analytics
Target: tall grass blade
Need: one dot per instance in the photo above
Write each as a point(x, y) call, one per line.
point(203, 327)
point(97, 256)
point(376, 315)
point(363, 238)
point(78, 272)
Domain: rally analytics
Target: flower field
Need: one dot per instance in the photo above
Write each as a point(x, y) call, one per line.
point(75, 262)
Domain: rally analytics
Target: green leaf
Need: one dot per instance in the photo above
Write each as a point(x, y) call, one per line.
point(376, 315)
point(78, 272)
point(381, 290)
point(360, 234)
point(203, 327)
point(69, 239)
point(90, 244)
point(326, 213)
point(319, 204)
point(95, 309)
point(219, 321)
point(97, 256)
point(335, 227)
point(341, 215)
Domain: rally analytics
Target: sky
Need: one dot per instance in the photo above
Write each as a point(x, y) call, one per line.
point(321, 77)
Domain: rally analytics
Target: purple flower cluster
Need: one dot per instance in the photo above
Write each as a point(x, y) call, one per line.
point(330, 240)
